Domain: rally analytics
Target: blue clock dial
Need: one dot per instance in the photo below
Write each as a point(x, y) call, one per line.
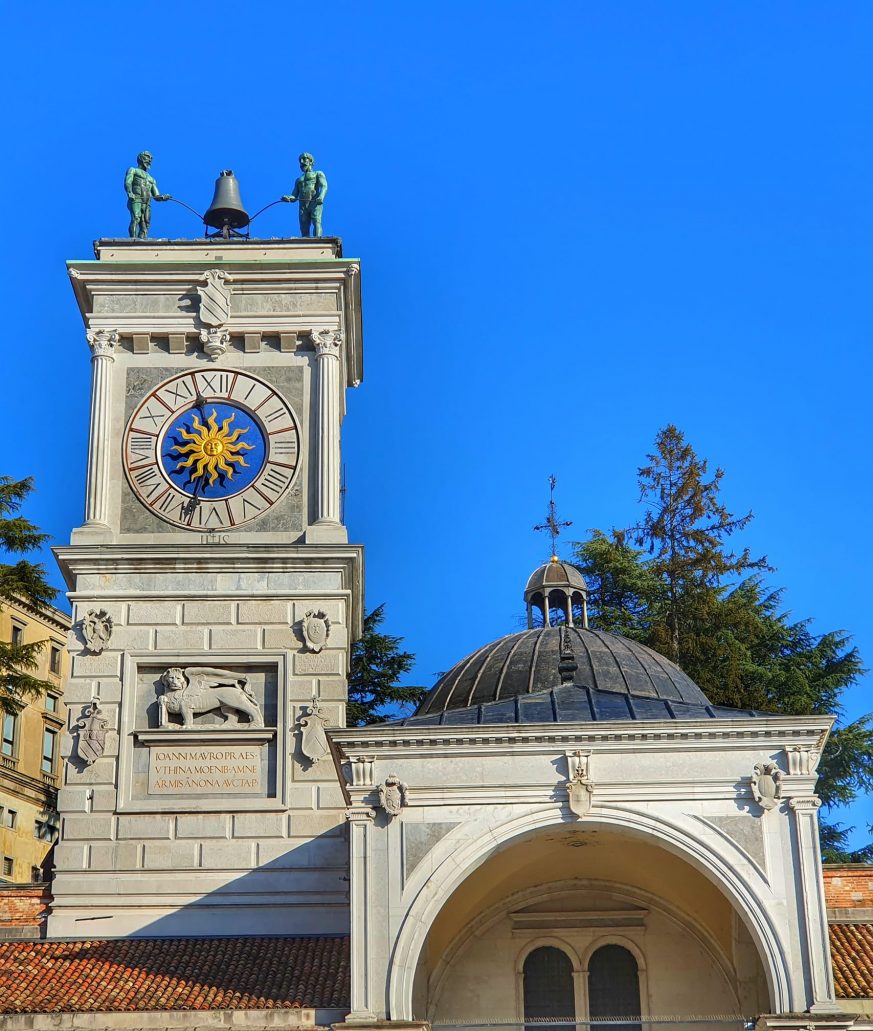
point(213, 450)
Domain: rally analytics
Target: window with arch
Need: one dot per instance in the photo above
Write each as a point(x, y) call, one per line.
point(548, 985)
point(614, 986)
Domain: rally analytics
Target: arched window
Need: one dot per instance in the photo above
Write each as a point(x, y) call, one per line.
point(548, 985)
point(614, 986)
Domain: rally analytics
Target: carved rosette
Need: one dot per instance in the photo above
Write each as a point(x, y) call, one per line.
point(767, 785)
point(215, 342)
point(103, 343)
point(392, 795)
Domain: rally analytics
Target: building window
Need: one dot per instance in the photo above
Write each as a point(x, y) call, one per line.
point(51, 703)
point(46, 829)
point(8, 746)
point(8, 818)
point(55, 660)
point(17, 634)
point(49, 742)
point(7, 866)
point(614, 986)
point(36, 875)
point(548, 986)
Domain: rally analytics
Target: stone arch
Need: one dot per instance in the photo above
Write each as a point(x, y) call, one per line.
point(456, 858)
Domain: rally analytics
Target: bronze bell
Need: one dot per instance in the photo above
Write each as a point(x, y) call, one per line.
point(226, 212)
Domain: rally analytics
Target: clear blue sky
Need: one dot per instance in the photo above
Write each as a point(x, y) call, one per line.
point(577, 222)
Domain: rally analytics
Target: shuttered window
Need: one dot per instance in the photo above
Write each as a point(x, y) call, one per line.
point(548, 985)
point(614, 986)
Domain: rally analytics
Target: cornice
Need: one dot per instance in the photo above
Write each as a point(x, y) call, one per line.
point(50, 614)
point(105, 558)
point(650, 735)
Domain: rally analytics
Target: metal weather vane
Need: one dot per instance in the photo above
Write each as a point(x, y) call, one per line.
point(552, 526)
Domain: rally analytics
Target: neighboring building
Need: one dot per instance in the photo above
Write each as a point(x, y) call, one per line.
point(30, 750)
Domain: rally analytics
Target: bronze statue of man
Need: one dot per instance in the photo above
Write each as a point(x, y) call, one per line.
point(140, 187)
point(309, 191)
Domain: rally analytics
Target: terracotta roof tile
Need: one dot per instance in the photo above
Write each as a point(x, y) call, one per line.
point(852, 960)
point(128, 974)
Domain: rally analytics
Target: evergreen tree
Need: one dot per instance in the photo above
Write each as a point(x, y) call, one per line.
point(377, 663)
point(684, 530)
point(24, 582)
point(685, 593)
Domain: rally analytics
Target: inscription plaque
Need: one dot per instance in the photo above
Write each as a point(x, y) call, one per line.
point(196, 769)
point(318, 662)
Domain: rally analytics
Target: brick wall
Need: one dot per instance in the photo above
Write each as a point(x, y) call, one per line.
point(849, 886)
point(23, 910)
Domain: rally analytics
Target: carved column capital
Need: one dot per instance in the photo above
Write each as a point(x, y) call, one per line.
point(103, 343)
point(805, 803)
point(360, 814)
point(327, 342)
point(352, 271)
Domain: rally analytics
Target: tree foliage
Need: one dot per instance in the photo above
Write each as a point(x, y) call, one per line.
point(377, 663)
point(21, 581)
point(673, 582)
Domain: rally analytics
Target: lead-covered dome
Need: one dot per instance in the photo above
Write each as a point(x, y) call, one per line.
point(565, 674)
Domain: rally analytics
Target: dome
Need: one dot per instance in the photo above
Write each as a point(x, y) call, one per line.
point(555, 573)
point(557, 674)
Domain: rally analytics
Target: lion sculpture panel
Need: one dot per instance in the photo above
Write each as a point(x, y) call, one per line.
point(197, 689)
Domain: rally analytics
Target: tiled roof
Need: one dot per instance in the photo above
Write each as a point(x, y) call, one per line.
point(852, 960)
point(129, 974)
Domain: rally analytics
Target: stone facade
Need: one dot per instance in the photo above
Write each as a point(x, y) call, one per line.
point(674, 860)
point(171, 828)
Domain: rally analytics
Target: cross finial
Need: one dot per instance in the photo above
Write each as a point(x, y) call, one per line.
point(551, 525)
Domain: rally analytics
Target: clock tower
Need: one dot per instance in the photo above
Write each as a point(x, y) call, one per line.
point(215, 594)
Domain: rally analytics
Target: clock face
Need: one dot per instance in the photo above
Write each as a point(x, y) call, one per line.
point(211, 450)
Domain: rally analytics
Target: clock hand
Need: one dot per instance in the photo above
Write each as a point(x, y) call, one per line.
point(200, 402)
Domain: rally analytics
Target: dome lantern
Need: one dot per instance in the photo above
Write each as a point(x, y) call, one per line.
point(557, 587)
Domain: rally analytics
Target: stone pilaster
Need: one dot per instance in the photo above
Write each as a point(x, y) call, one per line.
point(327, 470)
point(812, 903)
point(361, 822)
point(102, 343)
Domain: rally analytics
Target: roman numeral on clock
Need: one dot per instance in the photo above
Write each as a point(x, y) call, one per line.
point(140, 446)
point(216, 384)
point(148, 480)
point(274, 481)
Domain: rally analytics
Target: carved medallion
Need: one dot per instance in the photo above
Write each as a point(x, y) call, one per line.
point(313, 740)
point(194, 690)
point(214, 298)
point(316, 630)
point(91, 736)
point(767, 785)
point(97, 630)
point(392, 795)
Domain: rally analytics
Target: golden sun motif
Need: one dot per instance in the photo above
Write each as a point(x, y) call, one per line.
point(212, 450)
